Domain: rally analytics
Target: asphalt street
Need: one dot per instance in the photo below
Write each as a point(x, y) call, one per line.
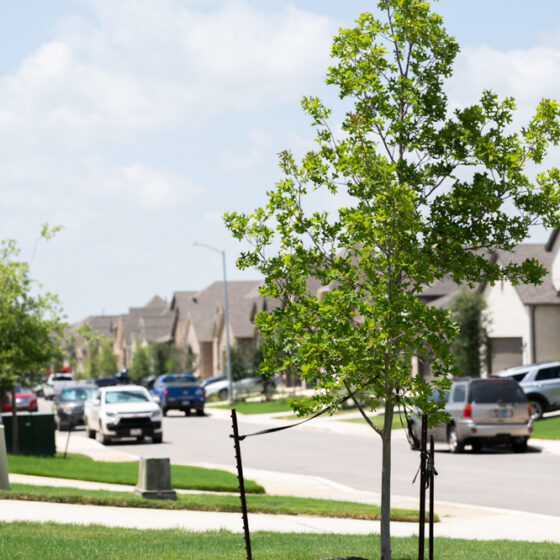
point(352, 456)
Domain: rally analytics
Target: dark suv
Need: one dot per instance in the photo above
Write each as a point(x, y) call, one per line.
point(482, 411)
point(541, 384)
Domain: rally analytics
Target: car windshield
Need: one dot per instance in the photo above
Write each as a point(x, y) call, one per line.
point(125, 396)
point(78, 394)
point(494, 391)
point(63, 377)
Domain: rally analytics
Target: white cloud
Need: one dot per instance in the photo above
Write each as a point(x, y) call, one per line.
point(527, 75)
point(143, 64)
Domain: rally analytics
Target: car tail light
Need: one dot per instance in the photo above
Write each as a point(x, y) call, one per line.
point(530, 411)
point(203, 393)
point(165, 393)
point(467, 413)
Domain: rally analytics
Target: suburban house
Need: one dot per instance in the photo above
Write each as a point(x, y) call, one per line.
point(524, 320)
point(200, 321)
point(151, 323)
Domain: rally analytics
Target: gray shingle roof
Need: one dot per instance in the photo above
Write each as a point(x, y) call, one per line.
point(209, 304)
point(543, 294)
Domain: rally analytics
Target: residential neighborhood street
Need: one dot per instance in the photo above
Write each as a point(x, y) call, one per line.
point(348, 454)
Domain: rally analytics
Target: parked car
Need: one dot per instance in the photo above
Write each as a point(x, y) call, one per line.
point(121, 412)
point(209, 380)
point(54, 383)
point(482, 411)
point(179, 391)
point(243, 386)
point(68, 405)
point(26, 400)
point(105, 381)
point(541, 384)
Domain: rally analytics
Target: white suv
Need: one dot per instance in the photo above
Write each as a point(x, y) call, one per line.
point(541, 384)
point(123, 411)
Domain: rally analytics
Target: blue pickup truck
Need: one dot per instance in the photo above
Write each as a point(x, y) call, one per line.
point(179, 391)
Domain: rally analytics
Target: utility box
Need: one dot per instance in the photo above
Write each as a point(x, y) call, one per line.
point(154, 479)
point(36, 433)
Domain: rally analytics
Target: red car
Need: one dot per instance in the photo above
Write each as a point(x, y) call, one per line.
point(25, 400)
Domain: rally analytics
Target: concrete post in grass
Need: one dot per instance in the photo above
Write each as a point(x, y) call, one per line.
point(4, 480)
point(154, 479)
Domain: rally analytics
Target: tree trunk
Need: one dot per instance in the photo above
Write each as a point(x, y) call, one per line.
point(15, 427)
point(386, 481)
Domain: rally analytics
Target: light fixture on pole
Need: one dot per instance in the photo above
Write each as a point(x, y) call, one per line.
point(226, 318)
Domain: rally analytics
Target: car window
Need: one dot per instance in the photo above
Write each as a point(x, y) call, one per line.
point(548, 373)
point(124, 396)
point(519, 376)
point(458, 394)
point(179, 380)
point(491, 392)
point(436, 396)
point(77, 394)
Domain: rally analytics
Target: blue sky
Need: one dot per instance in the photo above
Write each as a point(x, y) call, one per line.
point(136, 124)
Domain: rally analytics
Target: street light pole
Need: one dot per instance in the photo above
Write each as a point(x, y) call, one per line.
point(226, 318)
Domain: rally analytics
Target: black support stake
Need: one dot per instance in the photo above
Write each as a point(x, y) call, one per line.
point(422, 521)
point(432, 472)
point(241, 483)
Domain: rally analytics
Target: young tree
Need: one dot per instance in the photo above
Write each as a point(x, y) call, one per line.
point(30, 328)
point(425, 194)
point(470, 346)
point(106, 360)
point(140, 366)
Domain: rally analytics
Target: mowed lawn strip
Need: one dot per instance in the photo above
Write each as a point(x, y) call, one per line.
point(547, 428)
point(258, 407)
point(284, 505)
point(50, 541)
point(399, 420)
point(80, 467)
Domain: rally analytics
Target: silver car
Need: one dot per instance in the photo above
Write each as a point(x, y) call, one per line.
point(482, 411)
point(541, 384)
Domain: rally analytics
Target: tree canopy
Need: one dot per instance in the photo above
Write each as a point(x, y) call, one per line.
point(421, 193)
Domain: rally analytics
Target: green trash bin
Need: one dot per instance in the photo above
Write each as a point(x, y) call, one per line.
point(36, 433)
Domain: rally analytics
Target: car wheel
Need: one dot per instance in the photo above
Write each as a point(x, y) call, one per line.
point(412, 439)
point(455, 445)
point(537, 408)
point(187, 411)
point(139, 439)
point(89, 432)
point(200, 412)
point(157, 439)
point(102, 438)
point(222, 394)
point(164, 411)
point(519, 446)
point(476, 445)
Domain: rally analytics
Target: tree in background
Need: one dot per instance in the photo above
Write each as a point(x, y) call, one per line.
point(471, 345)
point(419, 194)
point(140, 367)
point(30, 328)
point(101, 360)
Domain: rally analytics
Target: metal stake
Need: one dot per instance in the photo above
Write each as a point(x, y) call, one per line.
point(431, 482)
point(241, 483)
point(422, 522)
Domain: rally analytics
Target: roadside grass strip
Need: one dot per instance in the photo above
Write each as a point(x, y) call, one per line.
point(51, 541)
point(282, 505)
point(80, 467)
point(399, 421)
point(258, 407)
point(547, 428)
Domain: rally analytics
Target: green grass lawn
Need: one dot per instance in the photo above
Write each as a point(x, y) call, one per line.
point(81, 467)
point(50, 541)
point(256, 503)
point(547, 428)
point(259, 407)
point(399, 421)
